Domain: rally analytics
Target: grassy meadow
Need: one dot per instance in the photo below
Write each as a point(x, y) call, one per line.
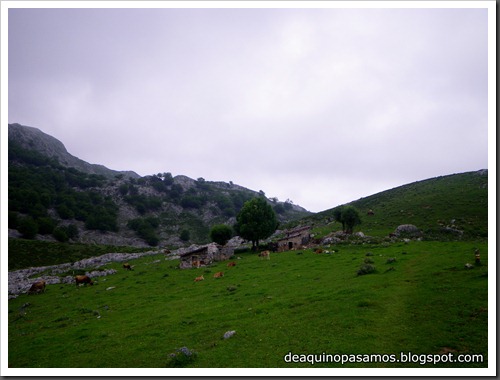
point(424, 302)
point(459, 201)
point(24, 253)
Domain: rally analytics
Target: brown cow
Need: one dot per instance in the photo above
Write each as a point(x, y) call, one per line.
point(219, 275)
point(195, 264)
point(37, 287)
point(200, 278)
point(231, 264)
point(127, 266)
point(265, 254)
point(84, 279)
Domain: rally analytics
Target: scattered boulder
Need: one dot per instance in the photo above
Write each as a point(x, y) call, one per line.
point(366, 269)
point(229, 334)
point(407, 231)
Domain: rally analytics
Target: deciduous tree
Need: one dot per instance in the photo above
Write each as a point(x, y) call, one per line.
point(256, 221)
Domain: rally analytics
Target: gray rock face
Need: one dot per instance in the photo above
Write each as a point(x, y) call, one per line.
point(33, 138)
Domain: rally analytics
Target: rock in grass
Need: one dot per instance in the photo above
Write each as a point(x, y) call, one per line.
point(229, 334)
point(366, 269)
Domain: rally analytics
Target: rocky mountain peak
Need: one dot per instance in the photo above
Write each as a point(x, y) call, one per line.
point(34, 139)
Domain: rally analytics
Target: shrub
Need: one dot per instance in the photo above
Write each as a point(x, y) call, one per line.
point(368, 261)
point(60, 234)
point(221, 233)
point(72, 231)
point(145, 229)
point(279, 209)
point(13, 219)
point(185, 235)
point(181, 357)
point(28, 228)
point(46, 225)
point(366, 269)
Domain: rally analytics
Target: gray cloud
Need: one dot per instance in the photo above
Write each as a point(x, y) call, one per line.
point(321, 106)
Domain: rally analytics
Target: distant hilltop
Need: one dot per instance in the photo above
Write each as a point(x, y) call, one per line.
point(34, 139)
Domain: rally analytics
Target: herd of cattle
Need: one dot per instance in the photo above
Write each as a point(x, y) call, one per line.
point(218, 274)
point(39, 286)
point(263, 254)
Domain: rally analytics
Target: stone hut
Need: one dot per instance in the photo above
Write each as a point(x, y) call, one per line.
point(295, 238)
point(205, 255)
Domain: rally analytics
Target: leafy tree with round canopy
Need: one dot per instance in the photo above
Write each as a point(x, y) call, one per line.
point(256, 221)
point(221, 233)
point(350, 218)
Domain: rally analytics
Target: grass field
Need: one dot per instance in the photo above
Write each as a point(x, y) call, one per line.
point(425, 302)
point(25, 253)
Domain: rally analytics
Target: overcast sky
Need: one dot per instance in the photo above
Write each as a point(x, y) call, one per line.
point(321, 106)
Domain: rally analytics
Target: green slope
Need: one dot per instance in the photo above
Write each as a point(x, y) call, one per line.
point(437, 206)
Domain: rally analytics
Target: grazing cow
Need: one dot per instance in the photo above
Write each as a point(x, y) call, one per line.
point(37, 287)
point(219, 275)
point(200, 278)
point(195, 264)
point(318, 250)
point(127, 266)
point(84, 279)
point(265, 254)
point(231, 264)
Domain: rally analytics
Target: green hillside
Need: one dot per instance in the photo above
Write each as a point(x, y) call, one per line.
point(444, 208)
point(47, 201)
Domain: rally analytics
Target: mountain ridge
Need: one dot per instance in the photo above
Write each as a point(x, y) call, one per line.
point(59, 191)
point(36, 139)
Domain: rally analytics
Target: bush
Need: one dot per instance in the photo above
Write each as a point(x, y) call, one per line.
point(72, 231)
point(366, 269)
point(145, 229)
point(13, 219)
point(46, 225)
point(221, 233)
point(60, 234)
point(181, 357)
point(185, 235)
point(28, 228)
